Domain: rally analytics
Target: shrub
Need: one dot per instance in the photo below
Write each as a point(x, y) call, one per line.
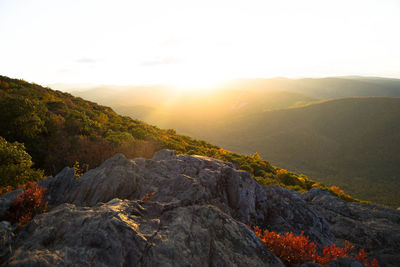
point(340, 193)
point(291, 249)
point(6, 189)
point(148, 196)
point(298, 249)
point(80, 169)
point(26, 205)
point(16, 165)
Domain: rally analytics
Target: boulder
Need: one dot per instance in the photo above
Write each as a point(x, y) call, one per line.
point(195, 180)
point(138, 233)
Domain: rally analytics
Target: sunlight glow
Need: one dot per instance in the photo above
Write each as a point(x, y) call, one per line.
point(196, 43)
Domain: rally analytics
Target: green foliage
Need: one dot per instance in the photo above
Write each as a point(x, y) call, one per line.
point(117, 138)
point(60, 130)
point(15, 165)
point(268, 179)
point(80, 169)
point(351, 142)
point(21, 118)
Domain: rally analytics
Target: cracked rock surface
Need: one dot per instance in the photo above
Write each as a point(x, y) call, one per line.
point(196, 216)
point(373, 227)
point(137, 233)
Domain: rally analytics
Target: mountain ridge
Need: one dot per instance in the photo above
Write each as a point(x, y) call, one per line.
point(60, 130)
point(334, 140)
point(366, 121)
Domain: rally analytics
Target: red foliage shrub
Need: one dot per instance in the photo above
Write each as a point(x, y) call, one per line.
point(293, 249)
point(333, 252)
point(147, 197)
point(27, 204)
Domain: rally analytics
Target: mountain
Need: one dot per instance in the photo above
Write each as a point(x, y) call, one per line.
point(189, 112)
point(182, 210)
point(325, 88)
point(58, 130)
point(350, 142)
point(168, 208)
point(339, 130)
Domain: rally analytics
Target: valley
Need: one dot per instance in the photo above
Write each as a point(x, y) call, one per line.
point(339, 131)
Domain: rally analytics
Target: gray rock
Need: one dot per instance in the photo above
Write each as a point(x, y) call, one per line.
point(137, 233)
point(196, 217)
point(164, 155)
point(7, 237)
point(173, 178)
point(288, 212)
point(7, 199)
point(60, 185)
point(195, 180)
point(345, 262)
point(309, 264)
point(373, 227)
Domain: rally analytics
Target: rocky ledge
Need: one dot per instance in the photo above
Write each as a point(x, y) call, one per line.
point(197, 216)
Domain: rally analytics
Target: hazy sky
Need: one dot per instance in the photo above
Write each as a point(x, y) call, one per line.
point(190, 42)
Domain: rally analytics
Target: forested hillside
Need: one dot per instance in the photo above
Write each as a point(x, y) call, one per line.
point(339, 130)
point(60, 130)
point(351, 142)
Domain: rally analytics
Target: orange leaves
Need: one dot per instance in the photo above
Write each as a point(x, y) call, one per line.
point(27, 204)
point(147, 197)
point(221, 151)
point(337, 190)
point(291, 249)
point(340, 193)
point(281, 171)
point(6, 189)
point(333, 252)
point(298, 249)
point(363, 257)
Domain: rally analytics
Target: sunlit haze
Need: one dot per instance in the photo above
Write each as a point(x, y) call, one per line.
point(196, 43)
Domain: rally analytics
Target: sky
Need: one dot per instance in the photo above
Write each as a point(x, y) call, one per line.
point(196, 43)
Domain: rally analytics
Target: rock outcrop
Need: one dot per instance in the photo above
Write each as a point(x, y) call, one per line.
point(373, 227)
point(137, 233)
point(180, 210)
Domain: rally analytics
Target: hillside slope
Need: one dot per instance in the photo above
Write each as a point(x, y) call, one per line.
point(190, 113)
point(60, 130)
point(325, 88)
point(351, 142)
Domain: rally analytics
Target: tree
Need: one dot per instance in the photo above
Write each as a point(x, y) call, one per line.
point(21, 119)
point(15, 165)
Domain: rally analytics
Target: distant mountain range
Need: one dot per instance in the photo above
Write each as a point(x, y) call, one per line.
point(52, 130)
point(339, 130)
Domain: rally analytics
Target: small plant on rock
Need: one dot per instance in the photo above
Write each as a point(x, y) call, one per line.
point(80, 169)
point(148, 196)
point(26, 205)
point(298, 249)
